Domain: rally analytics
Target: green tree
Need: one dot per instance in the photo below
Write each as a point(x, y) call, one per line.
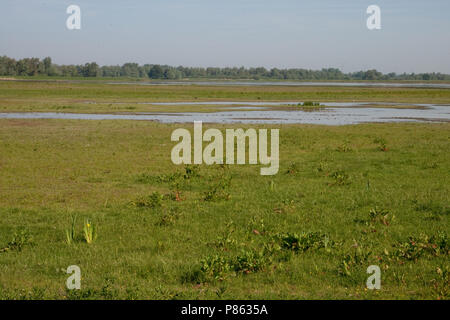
point(130, 70)
point(90, 69)
point(156, 72)
point(47, 65)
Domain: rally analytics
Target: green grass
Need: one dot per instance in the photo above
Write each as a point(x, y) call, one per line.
point(57, 96)
point(134, 79)
point(345, 198)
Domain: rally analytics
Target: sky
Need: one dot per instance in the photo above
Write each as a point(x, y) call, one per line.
point(316, 34)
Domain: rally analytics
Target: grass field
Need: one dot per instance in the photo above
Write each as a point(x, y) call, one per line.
point(345, 198)
point(86, 97)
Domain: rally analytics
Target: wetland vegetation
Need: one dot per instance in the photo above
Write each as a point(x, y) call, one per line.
point(104, 195)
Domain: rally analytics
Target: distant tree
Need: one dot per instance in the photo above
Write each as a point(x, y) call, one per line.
point(275, 73)
point(156, 72)
point(90, 69)
point(110, 71)
point(28, 67)
point(47, 62)
point(372, 75)
point(171, 73)
point(144, 70)
point(34, 66)
point(130, 70)
point(68, 71)
point(8, 66)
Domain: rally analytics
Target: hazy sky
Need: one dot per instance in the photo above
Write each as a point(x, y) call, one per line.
point(415, 34)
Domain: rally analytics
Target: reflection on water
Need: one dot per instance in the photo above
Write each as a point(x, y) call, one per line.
point(251, 103)
point(338, 115)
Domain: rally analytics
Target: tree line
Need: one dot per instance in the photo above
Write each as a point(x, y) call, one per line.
point(36, 67)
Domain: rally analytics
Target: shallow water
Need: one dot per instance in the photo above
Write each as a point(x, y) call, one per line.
point(252, 103)
point(256, 104)
point(329, 116)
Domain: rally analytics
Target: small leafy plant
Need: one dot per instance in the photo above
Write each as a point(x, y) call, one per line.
point(380, 215)
point(70, 233)
point(152, 201)
point(382, 145)
point(250, 261)
point(191, 171)
point(344, 148)
point(19, 240)
point(215, 267)
point(304, 241)
point(340, 178)
point(258, 226)
point(219, 190)
point(90, 231)
point(352, 260)
point(441, 285)
point(423, 245)
point(322, 167)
